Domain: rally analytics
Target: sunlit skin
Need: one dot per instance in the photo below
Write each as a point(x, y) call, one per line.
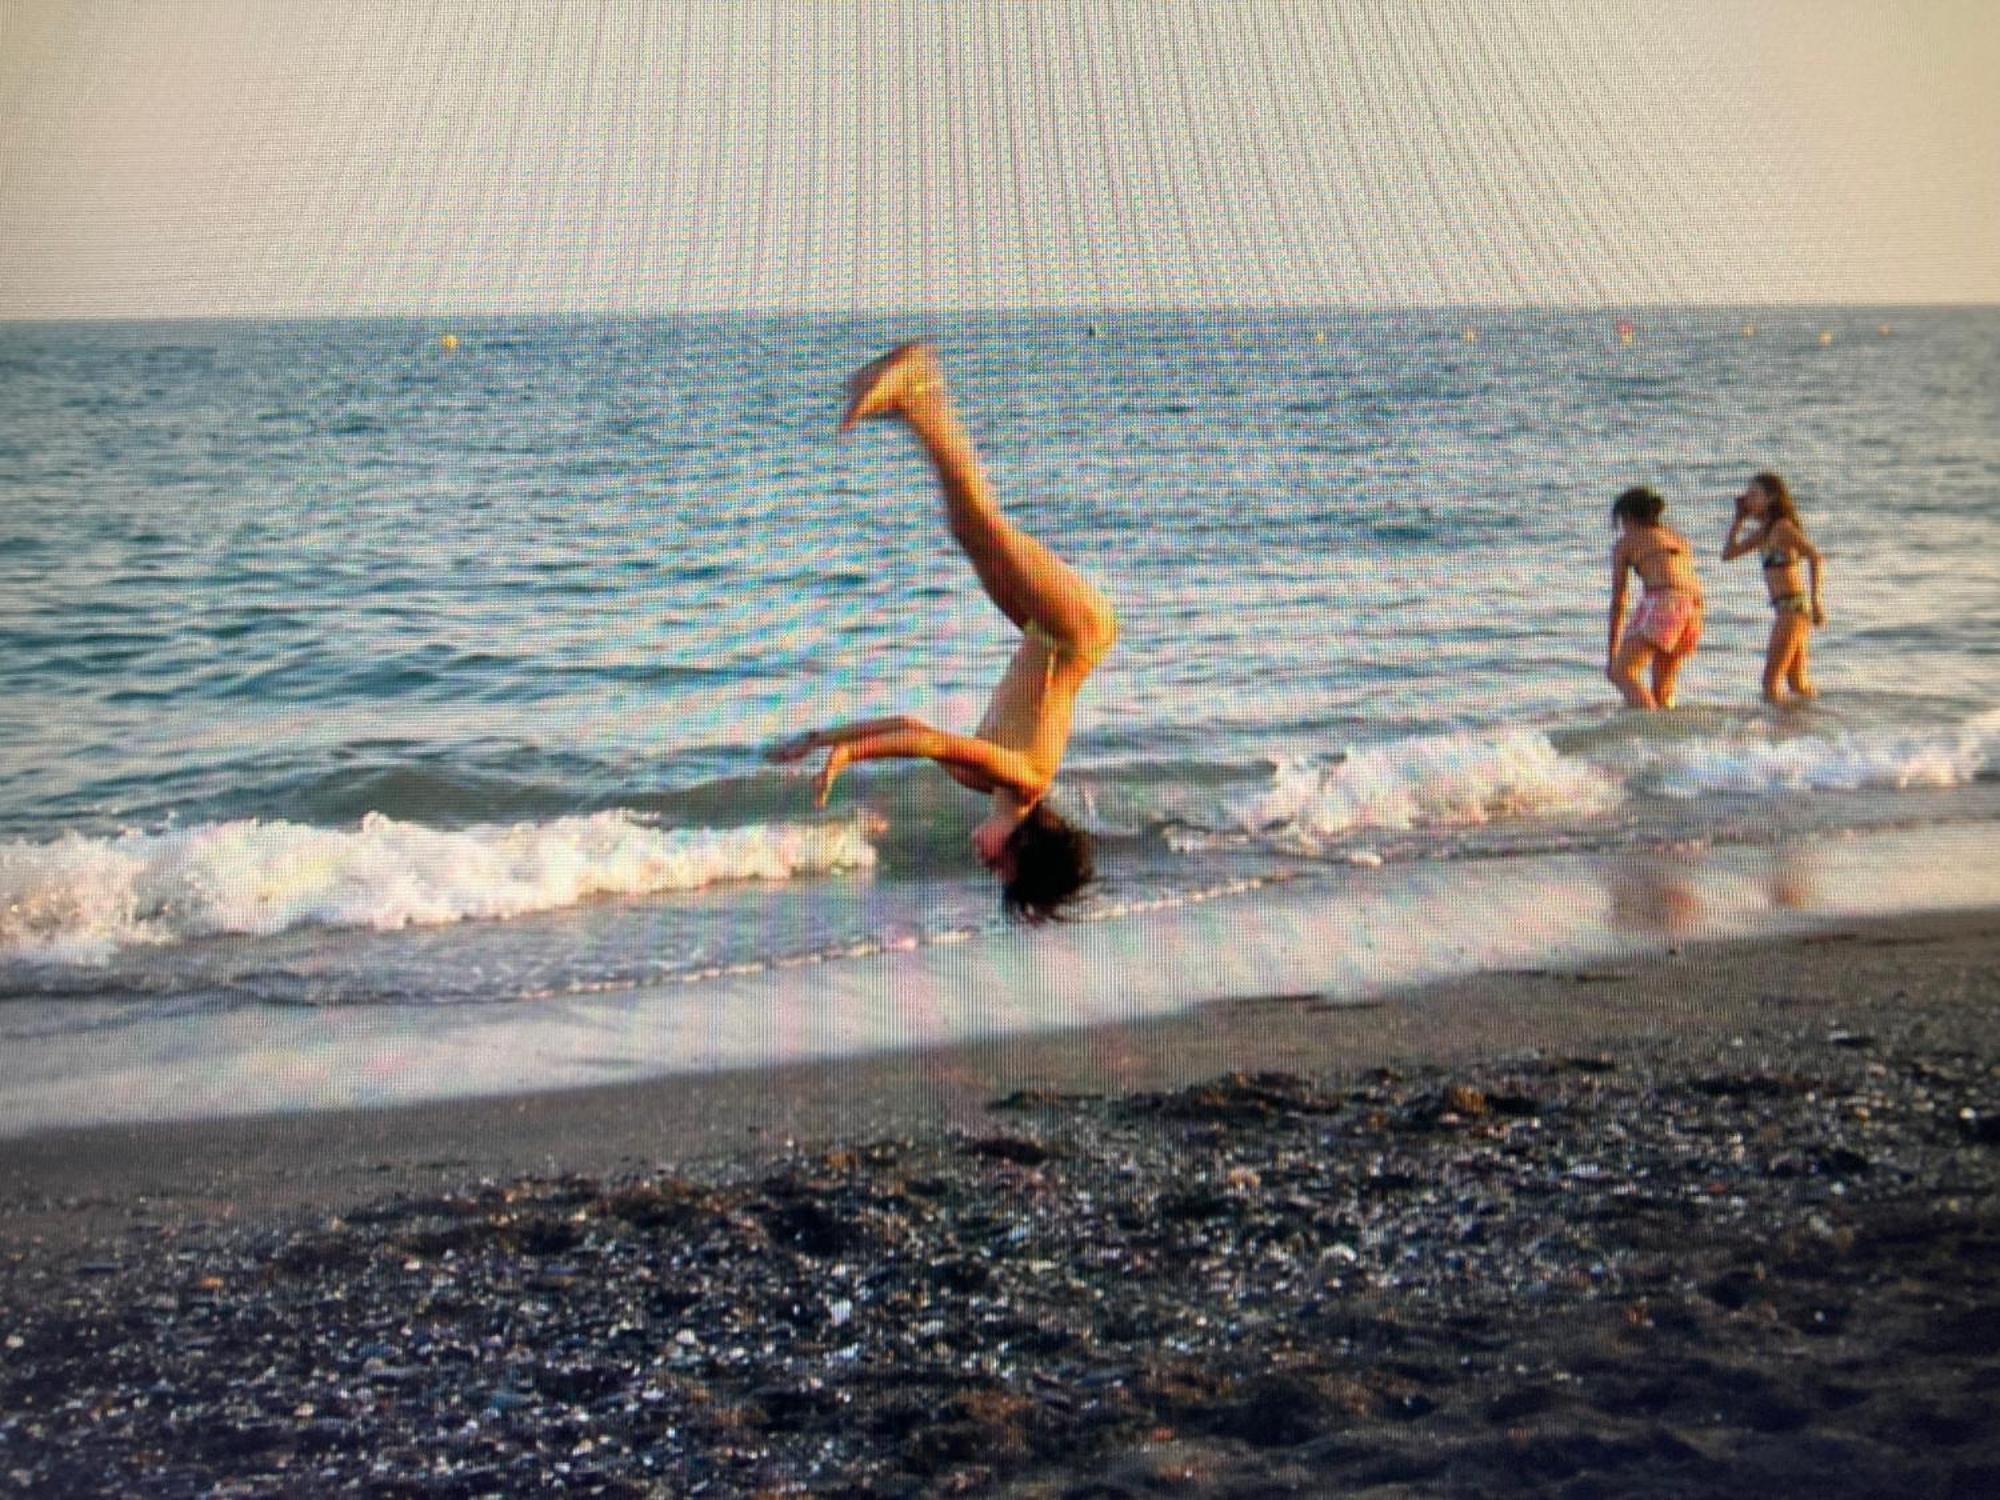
point(1638, 667)
point(1014, 753)
point(1758, 528)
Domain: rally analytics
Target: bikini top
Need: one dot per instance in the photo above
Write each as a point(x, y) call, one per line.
point(1777, 555)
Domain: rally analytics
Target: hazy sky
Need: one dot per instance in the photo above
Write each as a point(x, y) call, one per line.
point(169, 158)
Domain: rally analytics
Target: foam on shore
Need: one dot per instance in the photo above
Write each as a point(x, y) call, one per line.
point(1360, 935)
point(77, 899)
point(1430, 781)
point(1854, 760)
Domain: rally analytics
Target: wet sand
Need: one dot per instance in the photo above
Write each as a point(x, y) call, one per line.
point(1720, 1222)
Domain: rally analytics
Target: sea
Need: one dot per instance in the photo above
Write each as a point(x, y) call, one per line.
point(383, 702)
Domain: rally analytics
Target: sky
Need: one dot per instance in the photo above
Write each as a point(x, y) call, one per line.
point(172, 158)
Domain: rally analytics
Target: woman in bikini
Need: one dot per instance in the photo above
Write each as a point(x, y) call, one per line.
point(1666, 627)
point(1066, 628)
point(1766, 507)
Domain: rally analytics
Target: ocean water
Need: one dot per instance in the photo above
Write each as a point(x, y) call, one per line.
point(347, 674)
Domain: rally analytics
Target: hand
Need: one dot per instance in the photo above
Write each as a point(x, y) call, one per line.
point(1819, 614)
point(798, 747)
point(836, 762)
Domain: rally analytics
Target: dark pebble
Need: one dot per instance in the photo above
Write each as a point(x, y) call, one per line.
point(1661, 1272)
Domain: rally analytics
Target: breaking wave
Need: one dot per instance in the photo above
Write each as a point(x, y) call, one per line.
point(1850, 761)
point(1436, 781)
point(78, 899)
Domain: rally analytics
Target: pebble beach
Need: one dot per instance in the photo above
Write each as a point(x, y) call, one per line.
point(1718, 1221)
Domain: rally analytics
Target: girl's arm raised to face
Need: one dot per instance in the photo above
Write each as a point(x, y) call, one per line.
point(1734, 546)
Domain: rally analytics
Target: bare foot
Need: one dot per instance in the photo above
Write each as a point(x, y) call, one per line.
point(884, 387)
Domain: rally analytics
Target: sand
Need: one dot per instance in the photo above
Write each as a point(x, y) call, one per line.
point(1702, 1223)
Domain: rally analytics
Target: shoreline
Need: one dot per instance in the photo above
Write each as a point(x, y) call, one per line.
point(1714, 1223)
point(1356, 935)
point(81, 1183)
point(1719, 1222)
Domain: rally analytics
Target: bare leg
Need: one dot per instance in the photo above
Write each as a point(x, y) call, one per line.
point(1026, 580)
point(1788, 634)
point(1632, 659)
point(1796, 673)
point(1666, 674)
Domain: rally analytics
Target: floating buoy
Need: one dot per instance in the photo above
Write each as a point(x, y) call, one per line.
point(1320, 337)
point(1471, 335)
point(448, 343)
point(1884, 330)
point(1749, 330)
point(1825, 337)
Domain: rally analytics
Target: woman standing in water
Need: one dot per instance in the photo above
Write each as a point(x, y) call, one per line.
point(1066, 628)
point(1766, 506)
point(1666, 627)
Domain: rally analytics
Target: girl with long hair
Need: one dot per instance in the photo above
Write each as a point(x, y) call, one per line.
point(1767, 510)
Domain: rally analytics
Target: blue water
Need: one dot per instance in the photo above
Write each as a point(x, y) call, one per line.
point(337, 668)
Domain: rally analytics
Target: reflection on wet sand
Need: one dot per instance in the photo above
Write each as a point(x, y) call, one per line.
point(1795, 882)
point(1663, 892)
point(1657, 893)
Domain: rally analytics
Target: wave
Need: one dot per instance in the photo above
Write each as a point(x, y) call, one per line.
point(1848, 761)
point(1434, 781)
point(1522, 774)
point(79, 899)
point(434, 846)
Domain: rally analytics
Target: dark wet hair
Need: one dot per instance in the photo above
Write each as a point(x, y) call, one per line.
point(1053, 860)
point(1641, 503)
point(1783, 507)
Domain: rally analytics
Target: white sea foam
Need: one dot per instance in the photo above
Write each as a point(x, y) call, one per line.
point(1853, 760)
point(78, 899)
point(1437, 781)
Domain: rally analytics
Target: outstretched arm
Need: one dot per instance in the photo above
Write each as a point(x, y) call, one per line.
point(985, 761)
point(800, 746)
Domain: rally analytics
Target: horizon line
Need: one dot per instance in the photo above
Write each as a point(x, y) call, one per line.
point(1083, 311)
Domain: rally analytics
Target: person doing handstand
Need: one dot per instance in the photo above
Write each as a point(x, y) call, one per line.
point(1066, 628)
